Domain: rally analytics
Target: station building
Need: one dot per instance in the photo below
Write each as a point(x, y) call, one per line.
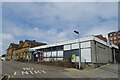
point(88, 49)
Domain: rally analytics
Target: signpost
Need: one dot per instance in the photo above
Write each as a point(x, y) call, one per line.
point(75, 59)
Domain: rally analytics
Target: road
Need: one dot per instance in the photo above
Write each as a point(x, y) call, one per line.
point(31, 70)
point(17, 69)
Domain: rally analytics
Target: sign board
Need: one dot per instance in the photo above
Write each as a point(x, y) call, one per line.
point(73, 56)
point(76, 59)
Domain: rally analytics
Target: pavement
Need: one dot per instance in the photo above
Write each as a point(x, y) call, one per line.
point(106, 71)
point(15, 69)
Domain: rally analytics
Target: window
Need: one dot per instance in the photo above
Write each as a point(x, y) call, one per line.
point(114, 34)
point(118, 36)
point(114, 37)
point(115, 41)
point(48, 54)
point(60, 53)
point(54, 54)
point(85, 44)
point(45, 54)
point(111, 38)
point(86, 55)
point(66, 47)
point(75, 46)
point(119, 41)
point(110, 34)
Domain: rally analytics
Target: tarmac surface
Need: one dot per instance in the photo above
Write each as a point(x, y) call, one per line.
point(15, 69)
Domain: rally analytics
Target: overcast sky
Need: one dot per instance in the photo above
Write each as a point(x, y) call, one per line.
point(52, 22)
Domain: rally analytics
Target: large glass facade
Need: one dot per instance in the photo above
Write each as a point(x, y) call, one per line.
point(85, 51)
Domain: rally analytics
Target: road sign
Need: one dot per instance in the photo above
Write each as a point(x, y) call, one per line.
point(76, 59)
point(73, 56)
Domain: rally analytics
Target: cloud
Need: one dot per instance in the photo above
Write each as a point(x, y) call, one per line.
point(6, 40)
point(51, 22)
point(103, 28)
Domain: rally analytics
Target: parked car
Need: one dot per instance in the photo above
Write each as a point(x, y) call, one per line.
point(2, 58)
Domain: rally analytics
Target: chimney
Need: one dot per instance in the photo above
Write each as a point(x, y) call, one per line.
point(21, 42)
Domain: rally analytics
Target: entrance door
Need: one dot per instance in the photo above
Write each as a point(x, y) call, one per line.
point(41, 56)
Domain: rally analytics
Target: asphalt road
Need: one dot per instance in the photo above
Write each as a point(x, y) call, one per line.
point(31, 70)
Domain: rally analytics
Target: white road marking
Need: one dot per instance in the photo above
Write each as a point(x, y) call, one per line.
point(43, 71)
point(23, 68)
point(24, 72)
point(8, 77)
point(31, 72)
point(28, 68)
point(37, 72)
point(15, 73)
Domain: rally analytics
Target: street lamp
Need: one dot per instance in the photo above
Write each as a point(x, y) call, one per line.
point(79, 49)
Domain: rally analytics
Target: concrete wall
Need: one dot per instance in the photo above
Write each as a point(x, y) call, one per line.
point(100, 53)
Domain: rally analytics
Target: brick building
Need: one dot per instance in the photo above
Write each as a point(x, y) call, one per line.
point(101, 37)
point(10, 50)
point(114, 37)
point(21, 52)
point(18, 51)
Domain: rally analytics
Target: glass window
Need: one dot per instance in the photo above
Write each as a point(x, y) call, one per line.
point(85, 44)
point(60, 53)
point(114, 37)
point(111, 38)
point(118, 36)
point(48, 54)
point(45, 54)
point(75, 46)
point(110, 34)
point(66, 47)
point(119, 41)
point(86, 55)
point(54, 54)
point(115, 41)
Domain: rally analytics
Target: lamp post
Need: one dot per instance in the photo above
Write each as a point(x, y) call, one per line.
point(79, 49)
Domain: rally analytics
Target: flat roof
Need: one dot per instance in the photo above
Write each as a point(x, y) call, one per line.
point(83, 39)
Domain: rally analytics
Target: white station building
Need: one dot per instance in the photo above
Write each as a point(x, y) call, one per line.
point(89, 49)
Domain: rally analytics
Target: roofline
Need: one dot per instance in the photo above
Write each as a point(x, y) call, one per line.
point(87, 38)
point(113, 32)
